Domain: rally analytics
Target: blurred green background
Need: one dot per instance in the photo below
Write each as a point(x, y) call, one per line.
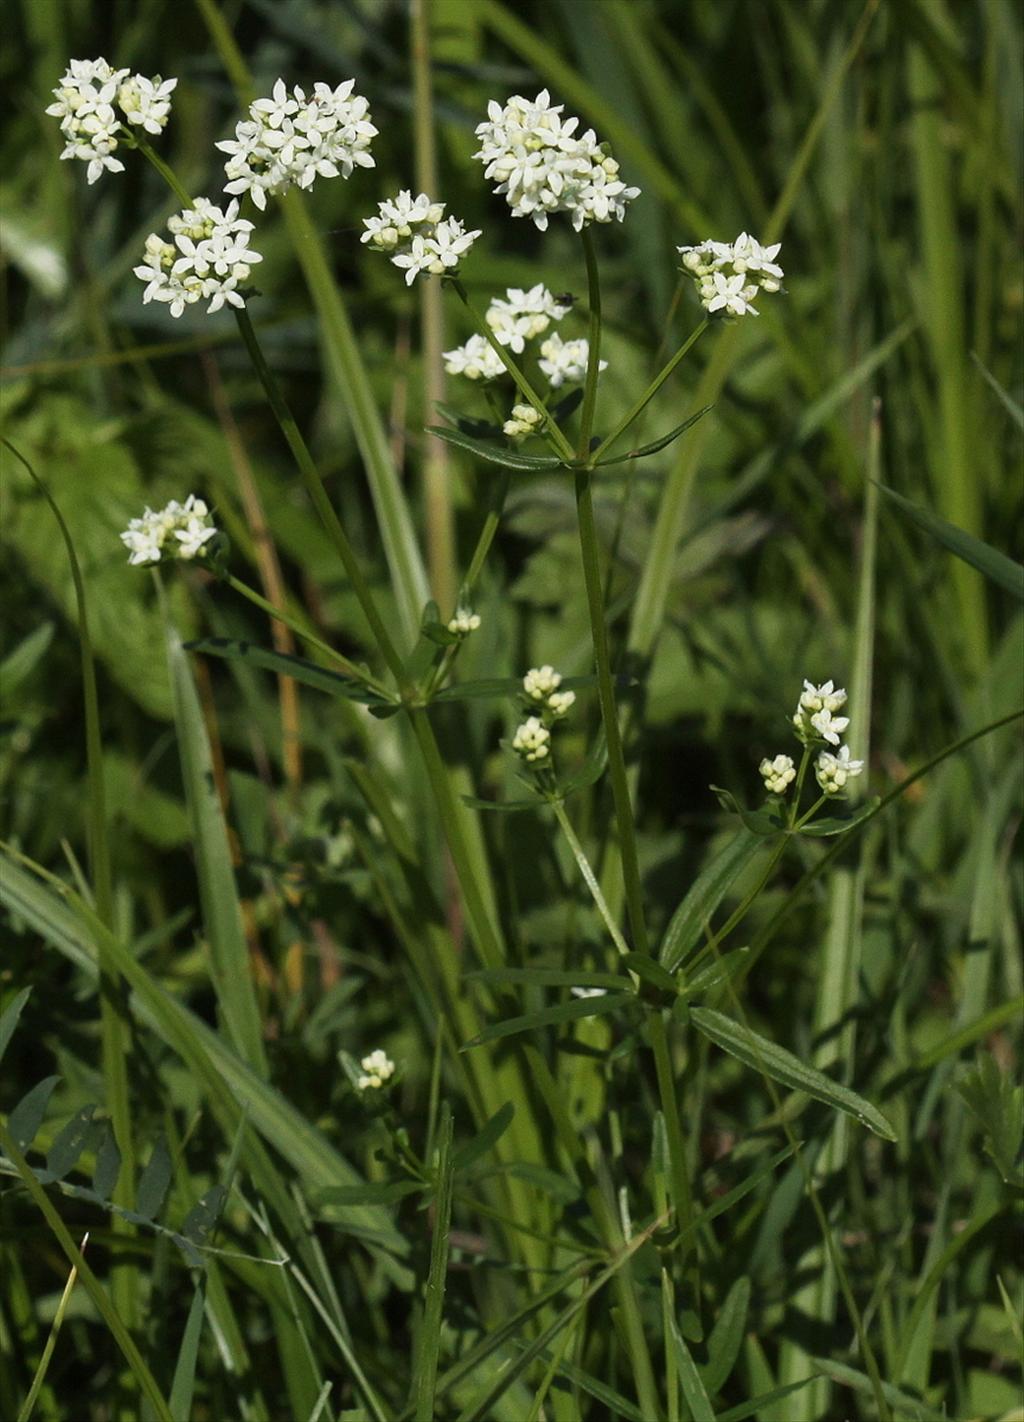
point(884, 145)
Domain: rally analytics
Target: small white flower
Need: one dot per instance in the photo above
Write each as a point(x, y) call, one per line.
point(92, 100)
point(291, 139)
point(822, 698)
point(729, 275)
point(464, 622)
point(563, 361)
point(778, 774)
point(532, 740)
point(377, 1068)
point(175, 531)
point(833, 771)
point(540, 682)
point(561, 702)
point(541, 165)
point(828, 727)
point(417, 236)
point(208, 260)
point(521, 315)
point(585, 992)
point(476, 360)
point(525, 421)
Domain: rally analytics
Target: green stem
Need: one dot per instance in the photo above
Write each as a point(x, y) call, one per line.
point(298, 627)
point(682, 1197)
point(549, 429)
point(593, 345)
point(609, 713)
point(318, 494)
point(651, 391)
point(589, 877)
point(166, 172)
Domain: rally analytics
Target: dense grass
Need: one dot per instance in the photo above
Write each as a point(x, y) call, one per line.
point(223, 887)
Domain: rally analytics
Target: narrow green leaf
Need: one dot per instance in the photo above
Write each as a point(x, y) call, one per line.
point(704, 895)
point(1010, 405)
point(548, 977)
point(496, 453)
point(774, 1061)
point(650, 971)
point(487, 1137)
point(26, 656)
point(71, 1142)
point(429, 1340)
point(658, 444)
point(719, 971)
point(222, 915)
point(726, 1337)
point(27, 1116)
point(154, 1182)
point(284, 664)
point(690, 1381)
point(995, 566)
point(183, 1383)
point(108, 1165)
point(502, 807)
point(764, 823)
point(472, 425)
point(913, 1407)
point(549, 1182)
point(756, 1404)
point(838, 824)
point(375, 1192)
point(551, 1016)
point(9, 1020)
point(201, 1220)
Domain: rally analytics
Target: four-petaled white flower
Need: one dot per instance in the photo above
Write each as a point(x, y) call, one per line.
point(729, 275)
point(93, 101)
point(291, 139)
point(532, 740)
point(476, 360)
point(542, 165)
point(377, 1069)
point(520, 315)
point(833, 771)
point(540, 682)
point(525, 421)
point(815, 718)
point(828, 727)
point(778, 774)
point(208, 260)
point(417, 236)
point(563, 361)
point(175, 531)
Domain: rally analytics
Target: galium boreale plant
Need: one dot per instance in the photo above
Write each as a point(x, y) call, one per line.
point(539, 379)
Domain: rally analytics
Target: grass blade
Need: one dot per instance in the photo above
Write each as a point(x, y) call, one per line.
point(429, 1342)
point(995, 566)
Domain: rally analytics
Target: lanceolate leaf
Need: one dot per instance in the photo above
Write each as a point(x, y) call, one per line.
point(774, 1061)
point(705, 894)
point(996, 566)
point(552, 1016)
point(838, 824)
point(658, 444)
point(286, 665)
point(485, 1139)
point(496, 453)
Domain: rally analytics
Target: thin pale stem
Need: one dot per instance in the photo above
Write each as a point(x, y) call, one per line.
point(593, 345)
point(651, 391)
point(589, 878)
point(682, 1198)
point(282, 615)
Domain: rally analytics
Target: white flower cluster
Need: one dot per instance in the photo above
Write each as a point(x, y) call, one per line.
point(814, 721)
point(291, 140)
point(815, 718)
point(541, 164)
point(778, 774)
point(464, 622)
point(415, 233)
point(520, 315)
point(525, 421)
point(563, 361)
point(377, 1069)
point(532, 740)
point(93, 101)
point(540, 689)
point(207, 261)
point(729, 275)
point(177, 531)
point(515, 318)
point(476, 360)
